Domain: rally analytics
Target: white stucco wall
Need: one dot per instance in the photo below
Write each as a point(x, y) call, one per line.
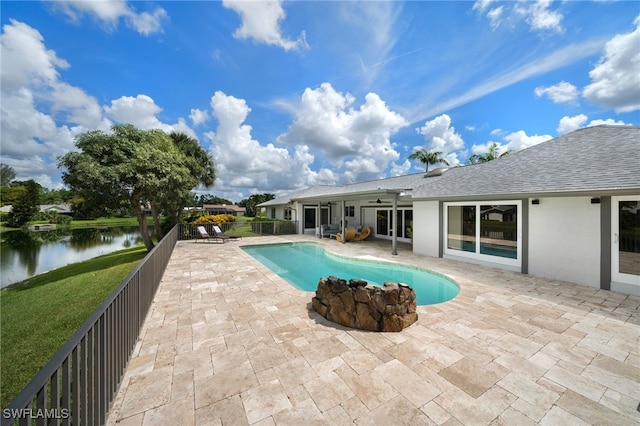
point(564, 240)
point(369, 218)
point(426, 231)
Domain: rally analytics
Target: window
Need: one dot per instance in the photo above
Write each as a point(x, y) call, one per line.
point(484, 231)
point(408, 223)
point(287, 213)
point(401, 225)
point(309, 217)
point(498, 230)
point(350, 211)
point(382, 222)
point(461, 226)
point(273, 213)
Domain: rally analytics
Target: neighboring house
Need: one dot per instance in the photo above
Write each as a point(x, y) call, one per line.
point(65, 209)
point(224, 209)
point(564, 209)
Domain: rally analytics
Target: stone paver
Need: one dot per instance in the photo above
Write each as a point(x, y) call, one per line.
point(229, 342)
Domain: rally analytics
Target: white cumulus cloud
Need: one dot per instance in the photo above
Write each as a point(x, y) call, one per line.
point(569, 124)
point(31, 93)
point(198, 116)
point(615, 80)
point(261, 22)
point(25, 59)
point(562, 92)
point(440, 135)
point(109, 14)
point(357, 138)
point(520, 140)
point(244, 162)
point(538, 15)
point(142, 111)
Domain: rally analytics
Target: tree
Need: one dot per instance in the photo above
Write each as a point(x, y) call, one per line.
point(126, 167)
point(492, 153)
point(428, 157)
point(11, 194)
point(26, 206)
point(212, 199)
point(7, 175)
point(250, 204)
point(202, 170)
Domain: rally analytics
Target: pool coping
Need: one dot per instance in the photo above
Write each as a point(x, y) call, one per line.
point(377, 261)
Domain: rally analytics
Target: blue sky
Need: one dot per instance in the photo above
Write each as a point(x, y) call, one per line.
point(287, 95)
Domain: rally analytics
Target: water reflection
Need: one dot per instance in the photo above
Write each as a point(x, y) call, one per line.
point(24, 253)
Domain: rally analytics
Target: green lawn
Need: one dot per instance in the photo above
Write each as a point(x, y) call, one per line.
point(38, 315)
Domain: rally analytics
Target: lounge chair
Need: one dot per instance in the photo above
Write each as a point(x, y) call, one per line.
point(219, 233)
point(329, 231)
point(350, 235)
point(363, 234)
point(204, 235)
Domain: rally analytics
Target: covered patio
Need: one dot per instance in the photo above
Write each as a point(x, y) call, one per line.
point(227, 341)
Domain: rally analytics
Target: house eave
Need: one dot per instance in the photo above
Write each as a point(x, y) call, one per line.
point(594, 192)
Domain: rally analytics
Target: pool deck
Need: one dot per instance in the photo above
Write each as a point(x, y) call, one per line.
point(228, 342)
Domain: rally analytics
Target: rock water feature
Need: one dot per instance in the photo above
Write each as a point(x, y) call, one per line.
point(357, 304)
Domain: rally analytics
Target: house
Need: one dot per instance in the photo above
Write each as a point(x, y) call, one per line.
point(65, 209)
point(564, 209)
point(224, 209)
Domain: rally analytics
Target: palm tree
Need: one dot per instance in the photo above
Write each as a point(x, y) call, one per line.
point(428, 157)
point(492, 153)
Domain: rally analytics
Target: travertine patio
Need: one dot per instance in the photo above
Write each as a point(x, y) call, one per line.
point(229, 342)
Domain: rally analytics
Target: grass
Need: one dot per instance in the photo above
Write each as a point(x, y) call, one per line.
point(38, 315)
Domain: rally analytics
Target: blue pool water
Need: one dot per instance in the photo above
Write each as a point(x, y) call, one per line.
point(303, 264)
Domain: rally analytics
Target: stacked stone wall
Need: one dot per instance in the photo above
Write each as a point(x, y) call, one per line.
point(357, 304)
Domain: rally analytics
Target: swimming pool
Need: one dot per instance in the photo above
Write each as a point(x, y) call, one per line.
point(303, 264)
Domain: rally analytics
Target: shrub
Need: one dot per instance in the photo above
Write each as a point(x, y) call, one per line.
point(61, 219)
point(218, 219)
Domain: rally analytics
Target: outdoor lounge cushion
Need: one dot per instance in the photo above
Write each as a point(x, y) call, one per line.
point(219, 233)
point(204, 235)
point(331, 229)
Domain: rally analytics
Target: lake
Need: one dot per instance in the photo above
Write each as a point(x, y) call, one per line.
point(25, 254)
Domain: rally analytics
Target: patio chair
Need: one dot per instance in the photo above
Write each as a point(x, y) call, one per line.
point(204, 235)
point(363, 234)
point(219, 233)
point(350, 234)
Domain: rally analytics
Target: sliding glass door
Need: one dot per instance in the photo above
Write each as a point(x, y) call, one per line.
point(484, 231)
point(625, 249)
point(402, 224)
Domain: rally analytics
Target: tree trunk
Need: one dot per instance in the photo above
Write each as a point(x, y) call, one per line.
point(156, 221)
point(142, 222)
point(177, 218)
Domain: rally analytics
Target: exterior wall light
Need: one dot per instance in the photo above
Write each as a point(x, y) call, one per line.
point(595, 200)
point(535, 201)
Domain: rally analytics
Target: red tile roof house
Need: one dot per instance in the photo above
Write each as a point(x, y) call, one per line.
point(565, 209)
point(224, 209)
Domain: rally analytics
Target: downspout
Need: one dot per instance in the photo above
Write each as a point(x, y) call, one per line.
point(344, 227)
point(394, 218)
point(318, 215)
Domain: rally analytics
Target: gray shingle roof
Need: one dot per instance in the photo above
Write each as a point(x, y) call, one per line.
point(593, 159)
point(314, 191)
point(596, 159)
